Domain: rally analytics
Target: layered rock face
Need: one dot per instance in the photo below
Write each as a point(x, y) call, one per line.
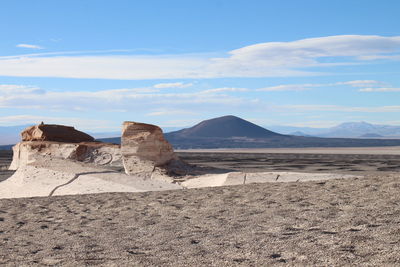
point(44, 142)
point(143, 150)
point(53, 132)
point(35, 152)
point(144, 147)
point(66, 166)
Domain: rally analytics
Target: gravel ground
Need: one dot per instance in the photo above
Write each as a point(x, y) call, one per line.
point(5, 160)
point(335, 222)
point(296, 162)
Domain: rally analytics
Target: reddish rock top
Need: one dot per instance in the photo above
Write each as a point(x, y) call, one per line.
point(131, 129)
point(53, 132)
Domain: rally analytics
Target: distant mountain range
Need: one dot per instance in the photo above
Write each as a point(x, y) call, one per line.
point(234, 132)
point(344, 130)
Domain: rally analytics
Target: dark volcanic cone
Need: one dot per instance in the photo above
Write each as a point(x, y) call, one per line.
point(224, 127)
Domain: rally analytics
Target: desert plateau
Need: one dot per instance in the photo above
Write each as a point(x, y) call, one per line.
point(339, 222)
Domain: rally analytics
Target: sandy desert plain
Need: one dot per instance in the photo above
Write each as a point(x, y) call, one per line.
point(337, 222)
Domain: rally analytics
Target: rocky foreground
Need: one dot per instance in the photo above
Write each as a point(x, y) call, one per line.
point(335, 222)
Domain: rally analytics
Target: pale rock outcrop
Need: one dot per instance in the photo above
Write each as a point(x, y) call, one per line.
point(45, 142)
point(241, 178)
point(35, 152)
point(58, 178)
point(144, 148)
point(46, 168)
point(53, 132)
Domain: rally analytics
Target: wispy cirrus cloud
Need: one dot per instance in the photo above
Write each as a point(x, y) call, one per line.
point(172, 85)
point(122, 99)
point(363, 83)
point(112, 99)
point(30, 46)
point(309, 86)
point(289, 87)
point(13, 89)
point(170, 112)
point(225, 89)
point(158, 103)
point(271, 59)
point(380, 89)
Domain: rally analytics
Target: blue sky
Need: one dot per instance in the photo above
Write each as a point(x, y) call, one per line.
point(95, 64)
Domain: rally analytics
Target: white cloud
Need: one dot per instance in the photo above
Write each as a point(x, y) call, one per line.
point(112, 100)
point(289, 87)
point(331, 46)
point(69, 53)
point(272, 59)
point(303, 87)
point(379, 57)
point(172, 85)
point(104, 67)
point(30, 46)
point(224, 89)
point(13, 89)
point(261, 58)
point(169, 112)
point(152, 102)
point(382, 89)
point(362, 83)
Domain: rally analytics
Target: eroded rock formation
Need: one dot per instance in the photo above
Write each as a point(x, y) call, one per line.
point(34, 152)
point(52, 162)
point(53, 132)
point(144, 147)
point(45, 142)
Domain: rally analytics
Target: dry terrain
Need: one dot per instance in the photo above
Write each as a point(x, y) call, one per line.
point(307, 162)
point(336, 222)
point(5, 160)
